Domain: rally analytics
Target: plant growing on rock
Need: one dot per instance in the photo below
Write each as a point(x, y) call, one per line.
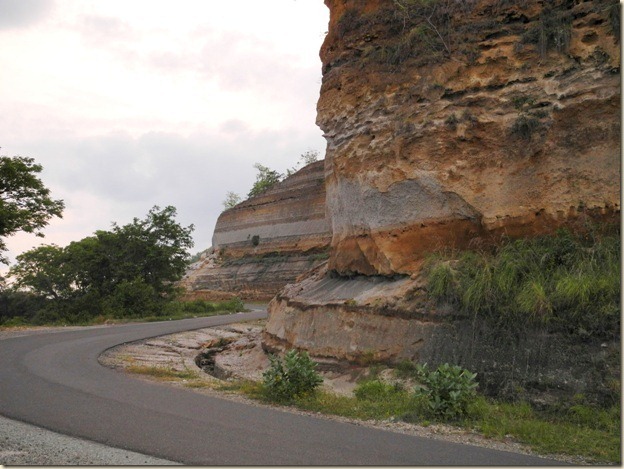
point(292, 377)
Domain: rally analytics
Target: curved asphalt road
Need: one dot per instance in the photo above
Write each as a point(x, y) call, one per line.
point(54, 380)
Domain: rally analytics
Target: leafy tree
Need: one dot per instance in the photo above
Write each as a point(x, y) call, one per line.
point(309, 157)
point(25, 203)
point(129, 270)
point(45, 271)
point(231, 199)
point(265, 179)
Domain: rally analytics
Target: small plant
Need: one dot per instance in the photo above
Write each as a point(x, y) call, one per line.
point(376, 390)
point(525, 125)
point(449, 389)
point(293, 377)
point(452, 121)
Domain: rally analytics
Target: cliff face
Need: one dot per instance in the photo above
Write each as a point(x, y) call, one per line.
point(265, 242)
point(450, 124)
point(288, 218)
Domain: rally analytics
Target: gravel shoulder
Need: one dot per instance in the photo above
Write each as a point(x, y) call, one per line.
point(22, 444)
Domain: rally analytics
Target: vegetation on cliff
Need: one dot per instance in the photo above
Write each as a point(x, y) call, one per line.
point(564, 283)
point(433, 31)
point(267, 178)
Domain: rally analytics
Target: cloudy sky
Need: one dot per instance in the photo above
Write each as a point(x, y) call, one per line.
point(129, 104)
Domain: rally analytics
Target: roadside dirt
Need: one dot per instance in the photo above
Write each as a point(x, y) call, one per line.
point(243, 358)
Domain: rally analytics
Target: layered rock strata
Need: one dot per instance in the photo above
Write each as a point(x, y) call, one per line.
point(287, 218)
point(265, 242)
point(449, 125)
point(370, 319)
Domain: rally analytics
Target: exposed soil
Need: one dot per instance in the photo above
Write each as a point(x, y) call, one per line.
point(234, 352)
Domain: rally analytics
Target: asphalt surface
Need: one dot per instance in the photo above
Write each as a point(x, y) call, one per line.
point(53, 380)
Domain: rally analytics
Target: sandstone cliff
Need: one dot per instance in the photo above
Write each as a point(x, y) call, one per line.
point(450, 125)
point(456, 122)
point(265, 242)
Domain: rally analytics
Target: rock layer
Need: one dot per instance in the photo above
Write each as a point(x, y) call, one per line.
point(265, 242)
point(503, 120)
point(287, 218)
point(448, 127)
point(379, 320)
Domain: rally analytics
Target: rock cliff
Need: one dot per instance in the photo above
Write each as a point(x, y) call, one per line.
point(265, 242)
point(449, 125)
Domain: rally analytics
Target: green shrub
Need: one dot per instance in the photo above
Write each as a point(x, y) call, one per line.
point(448, 390)
point(295, 376)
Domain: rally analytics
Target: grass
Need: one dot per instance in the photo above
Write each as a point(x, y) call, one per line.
point(163, 373)
point(563, 283)
point(582, 431)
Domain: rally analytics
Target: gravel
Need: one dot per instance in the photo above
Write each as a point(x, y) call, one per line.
point(22, 444)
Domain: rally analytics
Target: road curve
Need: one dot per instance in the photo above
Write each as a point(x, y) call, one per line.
point(54, 380)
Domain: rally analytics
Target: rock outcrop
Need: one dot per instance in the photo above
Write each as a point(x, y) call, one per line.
point(449, 125)
point(265, 242)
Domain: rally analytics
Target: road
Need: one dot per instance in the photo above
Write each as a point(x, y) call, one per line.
point(53, 380)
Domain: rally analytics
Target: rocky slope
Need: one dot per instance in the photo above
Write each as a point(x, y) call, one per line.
point(450, 125)
point(265, 242)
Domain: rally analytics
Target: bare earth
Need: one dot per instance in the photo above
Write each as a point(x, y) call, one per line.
point(245, 359)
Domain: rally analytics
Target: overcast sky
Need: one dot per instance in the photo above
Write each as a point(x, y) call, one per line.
point(129, 104)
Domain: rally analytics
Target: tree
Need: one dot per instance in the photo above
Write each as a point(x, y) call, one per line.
point(265, 179)
point(25, 203)
point(231, 200)
point(309, 157)
point(129, 269)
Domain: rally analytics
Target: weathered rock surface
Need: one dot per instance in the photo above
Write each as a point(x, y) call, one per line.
point(504, 119)
point(265, 242)
point(379, 320)
point(451, 127)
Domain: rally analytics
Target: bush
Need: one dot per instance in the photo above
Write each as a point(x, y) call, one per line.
point(449, 390)
point(293, 377)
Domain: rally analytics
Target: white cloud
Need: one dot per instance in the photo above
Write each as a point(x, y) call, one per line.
point(23, 13)
point(133, 104)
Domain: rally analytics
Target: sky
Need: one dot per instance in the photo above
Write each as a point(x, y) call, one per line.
point(129, 104)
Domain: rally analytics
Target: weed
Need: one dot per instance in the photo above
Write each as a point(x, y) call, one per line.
point(525, 126)
point(448, 390)
point(159, 372)
point(292, 377)
point(451, 121)
point(553, 31)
